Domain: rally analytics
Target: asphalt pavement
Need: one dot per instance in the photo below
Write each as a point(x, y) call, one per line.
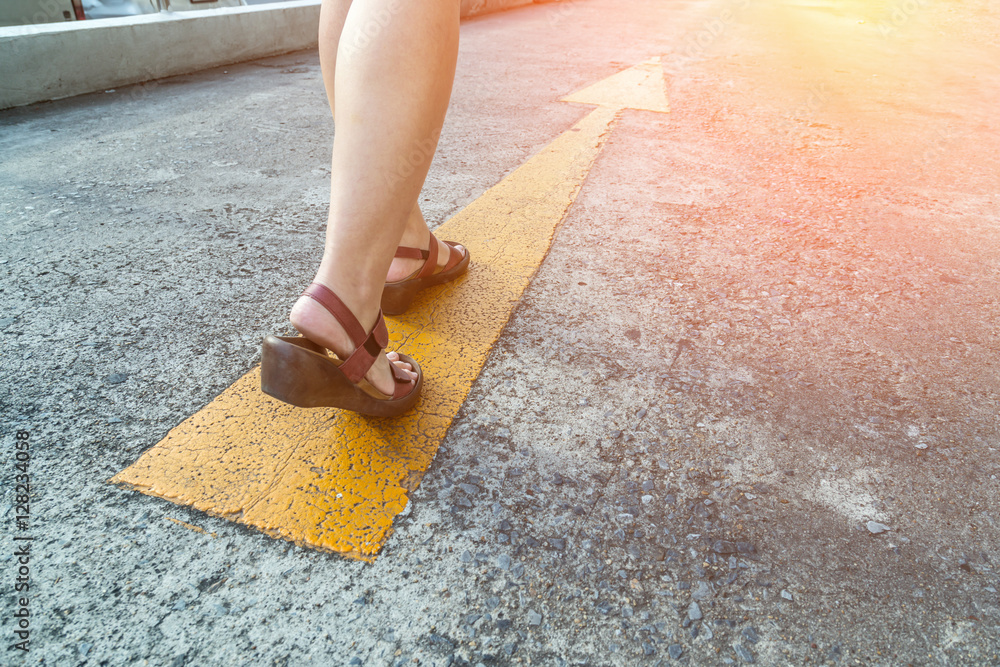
point(745, 411)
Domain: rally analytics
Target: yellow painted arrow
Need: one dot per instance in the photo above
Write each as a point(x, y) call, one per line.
point(334, 480)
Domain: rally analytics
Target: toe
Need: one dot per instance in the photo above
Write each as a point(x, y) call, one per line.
point(402, 365)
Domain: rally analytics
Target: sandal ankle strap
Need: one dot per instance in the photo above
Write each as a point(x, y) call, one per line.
point(430, 256)
point(367, 346)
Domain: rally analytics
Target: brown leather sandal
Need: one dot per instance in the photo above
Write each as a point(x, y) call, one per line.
point(298, 371)
point(397, 296)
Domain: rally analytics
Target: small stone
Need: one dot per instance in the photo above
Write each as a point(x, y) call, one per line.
point(179, 605)
point(743, 653)
point(466, 556)
point(557, 543)
point(509, 649)
point(504, 562)
point(534, 618)
point(470, 489)
point(117, 378)
point(921, 445)
point(785, 594)
point(664, 464)
point(874, 527)
point(669, 499)
point(114, 420)
point(83, 648)
point(355, 661)
point(675, 651)
point(750, 635)
point(724, 547)
point(648, 486)
point(647, 649)
point(694, 612)
point(492, 602)
point(702, 591)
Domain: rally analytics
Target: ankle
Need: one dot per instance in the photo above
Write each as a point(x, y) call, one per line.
point(360, 290)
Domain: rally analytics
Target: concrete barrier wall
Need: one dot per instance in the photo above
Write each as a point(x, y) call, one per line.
point(55, 60)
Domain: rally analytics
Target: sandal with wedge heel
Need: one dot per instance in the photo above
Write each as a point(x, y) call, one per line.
point(300, 372)
point(397, 296)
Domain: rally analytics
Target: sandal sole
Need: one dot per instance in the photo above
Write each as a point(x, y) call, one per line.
point(297, 371)
point(397, 297)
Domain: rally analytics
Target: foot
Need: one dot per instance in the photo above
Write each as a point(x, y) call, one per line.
point(315, 323)
point(402, 267)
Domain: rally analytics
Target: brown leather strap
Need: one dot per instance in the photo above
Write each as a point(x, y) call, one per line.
point(402, 382)
point(430, 255)
point(411, 253)
point(454, 256)
point(430, 266)
point(367, 347)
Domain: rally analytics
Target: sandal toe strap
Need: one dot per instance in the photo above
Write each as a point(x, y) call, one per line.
point(454, 256)
point(404, 385)
point(356, 366)
point(411, 253)
point(430, 266)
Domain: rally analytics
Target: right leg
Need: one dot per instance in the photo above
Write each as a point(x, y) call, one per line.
point(333, 15)
point(393, 74)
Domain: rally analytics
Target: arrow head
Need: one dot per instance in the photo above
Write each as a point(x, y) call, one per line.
point(638, 87)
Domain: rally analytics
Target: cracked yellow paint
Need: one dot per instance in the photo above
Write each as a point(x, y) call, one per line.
point(334, 480)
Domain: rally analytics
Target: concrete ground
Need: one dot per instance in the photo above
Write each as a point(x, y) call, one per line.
point(766, 327)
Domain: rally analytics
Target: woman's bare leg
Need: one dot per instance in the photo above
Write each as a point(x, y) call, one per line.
point(394, 64)
point(333, 15)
